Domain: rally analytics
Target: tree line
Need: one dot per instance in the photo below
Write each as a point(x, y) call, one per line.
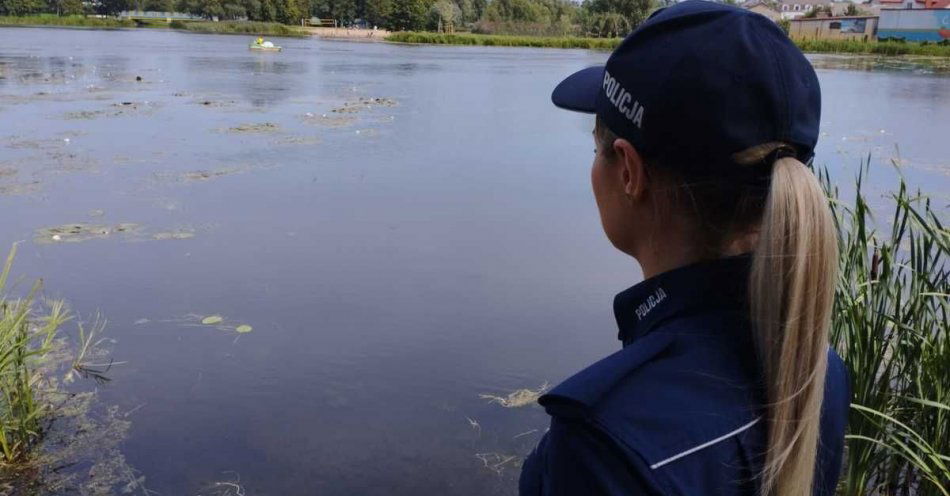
point(602, 18)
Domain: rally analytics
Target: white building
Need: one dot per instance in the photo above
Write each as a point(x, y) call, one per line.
point(793, 9)
point(909, 4)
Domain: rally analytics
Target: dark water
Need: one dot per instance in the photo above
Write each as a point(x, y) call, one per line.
point(394, 262)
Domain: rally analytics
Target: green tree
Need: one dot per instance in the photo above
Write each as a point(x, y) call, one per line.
point(211, 8)
point(478, 9)
point(160, 5)
point(516, 10)
point(466, 10)
point(65, 7)
point(286, 11)
point(267, 11)
point(377, 12)
point(234, 11)
point(112, 7)
point(203, 8)
point(344, 11)
point(819, 11)
point(21, 7)
point(444, 15)
point(607, 25)
point(320, 8)
point(852, 10)
point(634, 11)
point(407, 15)
point(252, 9)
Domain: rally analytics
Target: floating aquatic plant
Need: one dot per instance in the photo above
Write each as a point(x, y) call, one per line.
point(517, 398)
point(212, 320)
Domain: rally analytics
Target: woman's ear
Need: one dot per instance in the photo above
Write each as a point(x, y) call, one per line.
point(633, 170)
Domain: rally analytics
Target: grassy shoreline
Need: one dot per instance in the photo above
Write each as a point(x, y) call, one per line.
point(807, 46)
point(873, 48)
point(503, 40)
point(222, 27)
point(77, 21)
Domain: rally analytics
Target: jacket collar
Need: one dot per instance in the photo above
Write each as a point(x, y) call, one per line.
point(720, 284)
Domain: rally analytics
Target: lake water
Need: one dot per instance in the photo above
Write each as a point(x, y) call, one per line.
point(396, 259)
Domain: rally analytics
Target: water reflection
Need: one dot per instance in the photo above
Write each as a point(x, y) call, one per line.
point(380, 68)
point(914, 65)
point(112, 68)
point(273, 79)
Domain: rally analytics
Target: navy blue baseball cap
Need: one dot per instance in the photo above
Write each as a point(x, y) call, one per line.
point(698, 82)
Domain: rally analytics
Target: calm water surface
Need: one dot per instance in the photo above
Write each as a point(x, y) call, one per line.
point(395, 262)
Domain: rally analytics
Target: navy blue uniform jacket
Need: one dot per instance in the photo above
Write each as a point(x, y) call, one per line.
point(679, 409)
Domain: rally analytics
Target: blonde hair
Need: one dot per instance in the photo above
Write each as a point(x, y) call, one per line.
point(791, 286)
point(792, 291)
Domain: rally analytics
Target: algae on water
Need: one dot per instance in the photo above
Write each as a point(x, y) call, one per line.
point(202, 175)
point(298, 140)
point(77, 232)
point(119, 109)
point(517, 398)
point(332, 121)
point(262, 127)
point(363, 103)
point(80, 231)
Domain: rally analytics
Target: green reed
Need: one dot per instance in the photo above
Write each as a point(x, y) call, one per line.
point(25, 337)
point(504, 40)
point(890, 326)
point(874, 47)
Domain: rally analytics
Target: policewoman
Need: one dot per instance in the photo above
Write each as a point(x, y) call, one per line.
point(725, 384)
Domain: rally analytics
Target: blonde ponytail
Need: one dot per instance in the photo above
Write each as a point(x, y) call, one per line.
point(792, 289)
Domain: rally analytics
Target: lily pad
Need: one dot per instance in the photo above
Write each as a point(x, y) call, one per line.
point(244, 329)
point(212, 320)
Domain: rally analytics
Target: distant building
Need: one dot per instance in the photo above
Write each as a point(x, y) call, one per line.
point(765, 8)
point(793, 9)
point(892, 4)
point(863, 28)
point(869, 8)
point(915, 24)
point(909, 4)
